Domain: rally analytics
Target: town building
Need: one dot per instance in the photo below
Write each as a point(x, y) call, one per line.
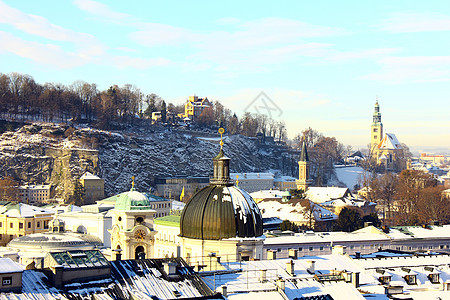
point(385, 149)
point(32, 248)
point(194, 107)
point(434, 158)
point(19, 219)
point(285, 183)
point(10, 276)
point(173, 187)
point(34, 193)
point(94, 187)
point(252, 182)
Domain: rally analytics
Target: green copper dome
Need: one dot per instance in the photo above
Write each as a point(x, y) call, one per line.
point(132, 200)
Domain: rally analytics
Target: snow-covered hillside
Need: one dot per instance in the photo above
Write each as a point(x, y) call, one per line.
point(48, 153)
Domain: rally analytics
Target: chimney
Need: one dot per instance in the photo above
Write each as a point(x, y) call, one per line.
point(339, 250)
point(290, 268)
point(271, 254)
point(367, 224)
point(281, 284)
point(263, 276)
point(224, 290)
point(311, 266)
point(293, 253)
point(355, 279)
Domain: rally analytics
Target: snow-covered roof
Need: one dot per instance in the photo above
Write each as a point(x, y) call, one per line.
point(8, 266)
point(294, 210)
point(389, 142)
point(284, 179)
point(252, 176)
point(267, 194)
point(145, 280)
point(88, 176)
point(25, 211)
point(323, 194)
point(35, 187)
point(246, 278)
point(408, 232)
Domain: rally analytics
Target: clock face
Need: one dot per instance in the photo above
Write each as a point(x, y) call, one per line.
point(139, 234)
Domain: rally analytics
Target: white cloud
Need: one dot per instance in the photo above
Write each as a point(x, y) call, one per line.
point(412, 69)
point(46, 54)
point(101, 10)
point(416, 22)
point(137, 62)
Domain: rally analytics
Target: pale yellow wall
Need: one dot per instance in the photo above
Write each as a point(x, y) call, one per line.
point(20, 226)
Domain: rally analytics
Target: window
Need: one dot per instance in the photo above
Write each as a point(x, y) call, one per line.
point(1, 224)
point(321, 248)
point(300, 249)
point(29, 224)
point(375, 137)
point(21, 225)
point(375, 130)
point(7, 280)
point(310, 248)
point(38, 224)
point(11, 225)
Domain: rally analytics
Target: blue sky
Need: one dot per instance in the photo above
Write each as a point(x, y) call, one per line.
point(322, 62)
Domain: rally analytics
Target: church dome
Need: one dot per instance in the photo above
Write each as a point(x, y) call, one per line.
point(221, 210)
point(132, 200)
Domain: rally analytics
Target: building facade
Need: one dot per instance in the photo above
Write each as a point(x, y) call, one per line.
point(94, 187)
point(252, 182)
point(22, 219)
point(32, 193)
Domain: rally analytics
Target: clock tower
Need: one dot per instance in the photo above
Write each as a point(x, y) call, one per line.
point(132, 233)
point(376, 130)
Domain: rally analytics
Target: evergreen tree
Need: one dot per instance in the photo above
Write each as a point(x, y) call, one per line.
point(78, 194)
point(163, 111)
point(349, 220)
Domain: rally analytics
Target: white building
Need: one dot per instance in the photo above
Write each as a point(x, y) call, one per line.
point(252, 182)
point(31, 193)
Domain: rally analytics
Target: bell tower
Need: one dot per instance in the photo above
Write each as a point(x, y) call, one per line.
point(303, 169)
point(376, 130)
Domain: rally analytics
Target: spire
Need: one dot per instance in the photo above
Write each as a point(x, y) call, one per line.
point(132, 183)
point(376, 113)
point(221, 166)
point(304, 153)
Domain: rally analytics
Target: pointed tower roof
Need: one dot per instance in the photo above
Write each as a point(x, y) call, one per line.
point(304, 153)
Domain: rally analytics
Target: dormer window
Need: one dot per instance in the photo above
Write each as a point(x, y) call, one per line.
point(434, 278)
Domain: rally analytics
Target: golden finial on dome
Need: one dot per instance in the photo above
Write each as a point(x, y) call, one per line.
point(237, 180)
point(221, 131)
point(132, 182)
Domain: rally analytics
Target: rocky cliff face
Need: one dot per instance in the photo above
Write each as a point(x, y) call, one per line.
point(59, 155)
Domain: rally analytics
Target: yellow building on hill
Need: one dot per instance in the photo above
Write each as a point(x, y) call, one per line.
point(194, 107)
